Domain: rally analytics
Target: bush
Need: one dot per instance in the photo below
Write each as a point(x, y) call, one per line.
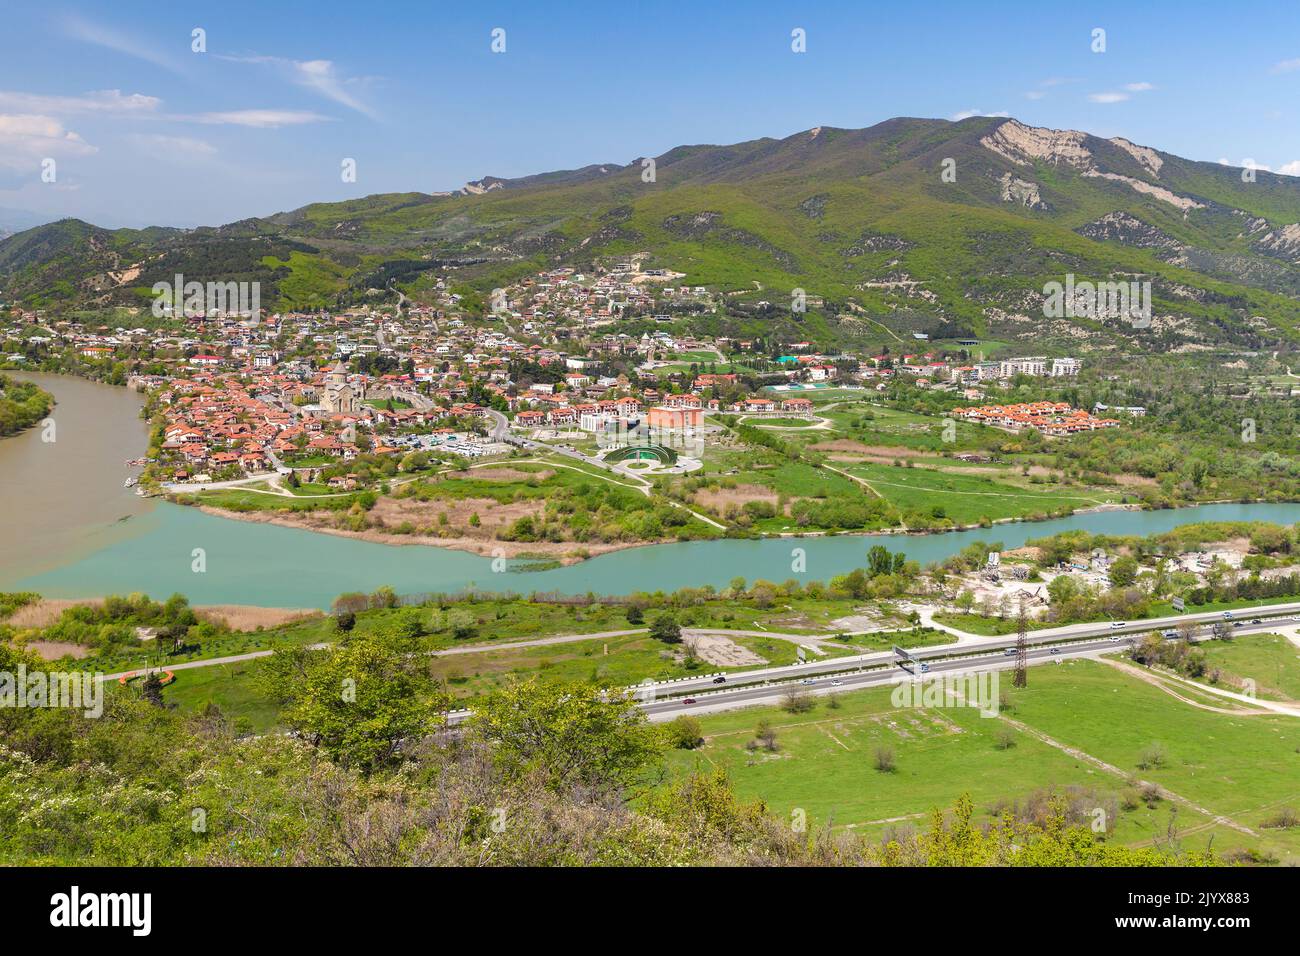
point(884, 760)
point(685, 733)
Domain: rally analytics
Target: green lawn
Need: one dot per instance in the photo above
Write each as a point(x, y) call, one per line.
point(1270, 660)
point(1244, 767)
point(967, 499)
point(231, 687)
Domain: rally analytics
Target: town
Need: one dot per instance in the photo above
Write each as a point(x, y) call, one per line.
point(248, 395)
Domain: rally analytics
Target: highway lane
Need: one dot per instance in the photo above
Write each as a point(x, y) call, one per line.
point(977, 645)
point(743, 696)
point(665, 701)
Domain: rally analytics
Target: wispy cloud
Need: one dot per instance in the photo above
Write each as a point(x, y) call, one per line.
point(967, 114)
point(1119, 96)
point(110, 39)
point(1286, 66)
point(113, 103)
point(99, 102)
point(319, 76)
point(260, 119)
point(1040, 91)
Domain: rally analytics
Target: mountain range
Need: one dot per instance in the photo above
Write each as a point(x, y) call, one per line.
point(909, 226)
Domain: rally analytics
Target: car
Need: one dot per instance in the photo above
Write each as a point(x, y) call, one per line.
point(808, 680)
point(1113, 639)
point(1055, 650)
point(688, 700)
point(720, 679)
point(925, 668)
point(1119, 623)
point(837, 683)
point(1255, 620)
point(1238, 623)
point(1169, 632)
point(1227, 615)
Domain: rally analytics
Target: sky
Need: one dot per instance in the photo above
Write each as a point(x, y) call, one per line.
point(145, 129)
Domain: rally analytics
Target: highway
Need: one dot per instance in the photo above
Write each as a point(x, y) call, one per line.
point(666, 700)
point(1270, 616)
point(739, 692)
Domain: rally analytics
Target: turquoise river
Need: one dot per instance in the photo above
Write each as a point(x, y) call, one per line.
point(72, 530)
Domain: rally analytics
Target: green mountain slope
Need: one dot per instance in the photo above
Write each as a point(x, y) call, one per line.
point(864, 219)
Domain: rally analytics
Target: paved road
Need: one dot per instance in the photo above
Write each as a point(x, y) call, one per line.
point(744, 695)
point(968, 642)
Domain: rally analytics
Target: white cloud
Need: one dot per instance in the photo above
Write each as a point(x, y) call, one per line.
point(1108, 97)
point(1290, 169)
point(1286, 66)
point(319, 76)
point(967, 114)
point(99, 102)
point(108, 38)
point(1142, 87)
point(258, 119)
point(139, 106)
point(26, 139)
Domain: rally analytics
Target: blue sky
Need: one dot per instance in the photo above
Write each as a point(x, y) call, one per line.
point(145, 131)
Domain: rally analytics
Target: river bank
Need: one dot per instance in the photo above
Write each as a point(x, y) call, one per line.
point(565, 552)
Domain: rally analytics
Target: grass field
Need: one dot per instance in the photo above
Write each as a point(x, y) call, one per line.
point(1270, 660)
point(231, 687)
point(966, 499)
point(1243, 767)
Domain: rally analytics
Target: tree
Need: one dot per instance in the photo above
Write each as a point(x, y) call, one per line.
point(1124, 571)
point(635, 615)
point(797, 701)
point(685, 733)
point(567, 734)
point(665, 628)
point(884, 760)
point(345, 621)
point(358, 702)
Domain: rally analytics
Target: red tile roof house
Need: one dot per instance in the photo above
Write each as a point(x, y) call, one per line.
point(326, 444)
